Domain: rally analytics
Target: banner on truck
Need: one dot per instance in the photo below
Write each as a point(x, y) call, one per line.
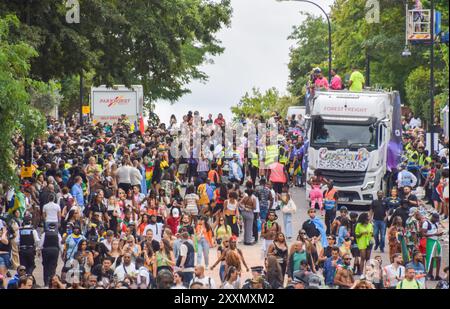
point(343, 159)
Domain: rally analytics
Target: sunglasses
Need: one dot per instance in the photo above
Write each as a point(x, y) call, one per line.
point(347, 259)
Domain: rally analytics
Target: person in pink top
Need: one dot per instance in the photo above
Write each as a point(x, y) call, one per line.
point(336, 81)
point(278, 176)
point(321, 82)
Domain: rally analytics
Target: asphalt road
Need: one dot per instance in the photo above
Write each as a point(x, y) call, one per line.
point(253, 254)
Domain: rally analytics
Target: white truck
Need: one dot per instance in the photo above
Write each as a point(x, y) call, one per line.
point(108, 104)
point(296, 110)
point(348, 135)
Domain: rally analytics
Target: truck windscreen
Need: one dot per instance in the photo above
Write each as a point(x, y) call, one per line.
point(343, 135)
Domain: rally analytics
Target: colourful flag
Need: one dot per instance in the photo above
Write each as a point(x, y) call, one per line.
point(19, 203)
point(395, 145)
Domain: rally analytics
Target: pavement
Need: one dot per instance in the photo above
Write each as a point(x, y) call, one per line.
point(253, 254)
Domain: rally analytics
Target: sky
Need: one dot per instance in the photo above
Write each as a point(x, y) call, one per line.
point(256, 55)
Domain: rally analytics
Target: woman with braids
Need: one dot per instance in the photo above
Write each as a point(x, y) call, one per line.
point(232, 256)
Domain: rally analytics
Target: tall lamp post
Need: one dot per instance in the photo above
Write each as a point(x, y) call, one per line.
point(431, 125)
point(329, 33)
point(407, 53)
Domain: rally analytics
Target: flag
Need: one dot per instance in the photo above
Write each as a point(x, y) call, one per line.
point(141, 124)
point(19, 203)
point(395, 145)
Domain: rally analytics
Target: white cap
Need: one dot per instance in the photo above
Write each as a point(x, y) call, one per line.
point(175, 213)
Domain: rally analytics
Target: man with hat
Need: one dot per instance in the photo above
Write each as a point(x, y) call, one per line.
point(430, 229)
point(27, 240)
point(14, 282)
point(50, 246)
point(70, 248)
point(257, 281)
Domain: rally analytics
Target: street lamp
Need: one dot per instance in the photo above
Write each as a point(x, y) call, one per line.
point(406, 52)
point(329, 33)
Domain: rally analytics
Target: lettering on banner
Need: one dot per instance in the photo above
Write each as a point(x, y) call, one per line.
point(343, 159)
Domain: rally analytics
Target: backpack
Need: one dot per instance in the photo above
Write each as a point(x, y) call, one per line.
point(209, 281)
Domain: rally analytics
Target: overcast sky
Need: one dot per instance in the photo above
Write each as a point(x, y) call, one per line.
point(256, 55)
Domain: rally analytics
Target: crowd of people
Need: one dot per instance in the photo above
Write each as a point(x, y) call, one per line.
point(113, 206)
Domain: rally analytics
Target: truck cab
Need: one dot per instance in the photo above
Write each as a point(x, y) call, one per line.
point(348, 137)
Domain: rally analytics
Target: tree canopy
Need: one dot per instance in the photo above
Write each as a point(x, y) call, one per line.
point(157, 43)
point(16, 113)
point(263, 104)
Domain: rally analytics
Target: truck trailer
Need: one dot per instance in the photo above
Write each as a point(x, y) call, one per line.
point(355, 140)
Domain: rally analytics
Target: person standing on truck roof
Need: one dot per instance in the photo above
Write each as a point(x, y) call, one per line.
point(321, 82)
point(336, 81)
point(357, 81)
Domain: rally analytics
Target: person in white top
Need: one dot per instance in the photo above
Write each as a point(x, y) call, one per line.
point(199, 276)
point(51, 211)
point(190, 200)
point(123, 176)
point(135, 175)
point(406, 178)
point(156, 227)
point(126, 268)
point(394, 273)
point(256, 212)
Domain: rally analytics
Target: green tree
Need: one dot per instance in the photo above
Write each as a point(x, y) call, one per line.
point(45, 96)
point(262, 104)
point(157, 43)
point(256, 103)
point(417, 92)
point(15, 110)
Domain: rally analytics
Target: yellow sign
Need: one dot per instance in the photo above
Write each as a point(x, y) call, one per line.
point(419, 37)
point(86, 110)
point(26, 171)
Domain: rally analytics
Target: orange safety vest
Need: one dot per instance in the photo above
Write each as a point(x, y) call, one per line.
point(330, 195)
